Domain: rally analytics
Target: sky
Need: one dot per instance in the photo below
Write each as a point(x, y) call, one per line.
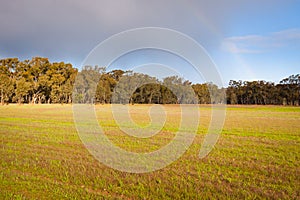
point(247, 40)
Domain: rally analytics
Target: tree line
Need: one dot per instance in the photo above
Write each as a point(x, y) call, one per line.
point(40, 81)
point(287, 92)
point(36, 81)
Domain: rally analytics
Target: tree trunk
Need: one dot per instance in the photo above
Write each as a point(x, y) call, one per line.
point(34, 99)
point(150, 98)
point(2, 97)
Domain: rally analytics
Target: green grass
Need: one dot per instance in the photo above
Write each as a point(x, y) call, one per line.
point(257, 156)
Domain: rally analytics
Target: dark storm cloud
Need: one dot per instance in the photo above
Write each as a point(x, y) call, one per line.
point(68, 30)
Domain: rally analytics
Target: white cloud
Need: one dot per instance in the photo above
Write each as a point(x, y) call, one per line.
point(261, 43)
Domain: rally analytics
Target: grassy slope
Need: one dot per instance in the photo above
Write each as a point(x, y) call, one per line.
point(257, 155)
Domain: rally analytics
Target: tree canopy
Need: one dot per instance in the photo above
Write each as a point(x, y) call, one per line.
point(40, 81)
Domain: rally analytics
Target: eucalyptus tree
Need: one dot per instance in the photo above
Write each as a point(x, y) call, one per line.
point(7, 80)
point(85, 86)
point(61, 80)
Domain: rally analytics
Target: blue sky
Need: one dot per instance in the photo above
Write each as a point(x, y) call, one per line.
point(247, 40)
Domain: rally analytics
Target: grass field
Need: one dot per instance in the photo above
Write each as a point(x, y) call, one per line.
point(256, 156)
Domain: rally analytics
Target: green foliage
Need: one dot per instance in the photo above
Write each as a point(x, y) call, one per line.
point(40, 81)
point(7, 79)
point(287, 92)
point(36, 81)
